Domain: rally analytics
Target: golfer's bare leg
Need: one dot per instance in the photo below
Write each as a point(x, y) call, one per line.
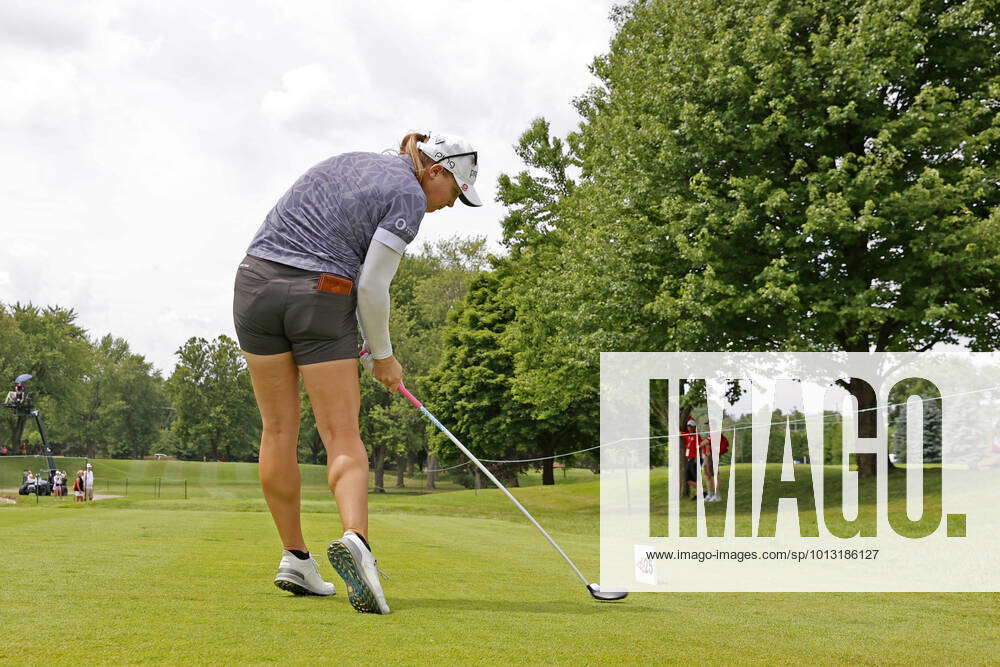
point(275, 380)
point(336, 400)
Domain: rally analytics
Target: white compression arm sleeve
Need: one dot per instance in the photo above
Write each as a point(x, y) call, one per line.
point(377, 272)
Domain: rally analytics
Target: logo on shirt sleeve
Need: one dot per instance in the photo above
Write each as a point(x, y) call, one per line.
point(401, 224)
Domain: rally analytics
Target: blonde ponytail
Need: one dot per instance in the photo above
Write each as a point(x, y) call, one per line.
point(408, 146)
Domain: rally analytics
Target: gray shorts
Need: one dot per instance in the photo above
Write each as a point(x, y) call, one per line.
point(278, 308)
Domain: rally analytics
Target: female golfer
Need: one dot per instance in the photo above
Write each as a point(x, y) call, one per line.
point(320, 264)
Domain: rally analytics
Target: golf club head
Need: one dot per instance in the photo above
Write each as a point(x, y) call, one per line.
point(607, 596)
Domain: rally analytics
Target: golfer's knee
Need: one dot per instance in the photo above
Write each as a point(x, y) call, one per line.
point(338, 434)
point(280, 431)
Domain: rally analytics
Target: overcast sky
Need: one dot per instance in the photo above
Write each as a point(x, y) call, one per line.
point(143, 143)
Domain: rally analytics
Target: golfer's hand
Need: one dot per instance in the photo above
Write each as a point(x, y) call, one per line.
point(388, 372)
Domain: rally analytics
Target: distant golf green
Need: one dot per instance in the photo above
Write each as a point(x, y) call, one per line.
point(140, 579)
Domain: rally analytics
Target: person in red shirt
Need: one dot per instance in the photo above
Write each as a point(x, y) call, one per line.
point(78, 487)
point(691, 447)
point(993, 458)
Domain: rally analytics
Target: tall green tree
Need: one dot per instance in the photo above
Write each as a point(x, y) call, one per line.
point(13, 362)
point(215, 414)
point(124, 402)
point(428, 286)
point(776, 175)
point(49, 344)
point(471, 389)
point(566, 303)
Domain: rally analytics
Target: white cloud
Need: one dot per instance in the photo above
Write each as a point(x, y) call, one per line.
point(45, 26)
point(39, 94)
point(316, 103)
point(145, 142)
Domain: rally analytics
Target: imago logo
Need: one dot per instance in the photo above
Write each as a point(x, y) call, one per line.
point(816, 460)
point(847, 471)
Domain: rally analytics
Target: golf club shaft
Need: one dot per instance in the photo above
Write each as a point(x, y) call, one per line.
point(489, 475)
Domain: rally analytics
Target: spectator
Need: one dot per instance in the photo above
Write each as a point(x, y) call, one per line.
point(59, 484)
point(27, 483)
point(711, 465)
point(88, 483)
point(993, 458)
point(707, 470)
point(78, 487)
point(691, 454)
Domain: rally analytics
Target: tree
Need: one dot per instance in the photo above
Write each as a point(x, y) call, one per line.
point(930, 400)
point(124, 402)
point(214, 408)
point(393, 428)
point(471, 389)
point(561, 320)
point(428, 286)
point(48, 344)
point(96, 398)
point(777, 176)
point(13, 361)
point(310, 445)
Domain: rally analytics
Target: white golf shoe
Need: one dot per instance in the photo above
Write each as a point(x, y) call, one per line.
point(357, 567)
point(301, 577)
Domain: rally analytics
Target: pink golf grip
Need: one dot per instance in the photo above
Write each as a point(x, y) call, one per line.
point(410, 397)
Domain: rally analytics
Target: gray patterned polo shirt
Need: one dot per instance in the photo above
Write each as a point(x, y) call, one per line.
point(328, 218)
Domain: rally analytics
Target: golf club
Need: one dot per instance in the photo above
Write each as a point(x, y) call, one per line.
point(594, 590)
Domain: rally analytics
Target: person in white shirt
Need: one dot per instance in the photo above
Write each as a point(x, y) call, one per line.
point(88, 483)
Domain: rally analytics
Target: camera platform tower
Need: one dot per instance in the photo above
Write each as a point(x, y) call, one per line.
point(19, 401)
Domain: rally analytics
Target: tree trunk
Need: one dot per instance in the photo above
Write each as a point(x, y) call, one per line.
point(506, 473)
point(18, 434)
point(431, 470)
point(867, 425)
point(400, 470)
point(478, 476)
point(317, 447)
point(548, 478)
point(660, 404)
point(378, 461)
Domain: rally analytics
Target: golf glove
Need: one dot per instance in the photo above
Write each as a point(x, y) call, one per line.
point(367, 360)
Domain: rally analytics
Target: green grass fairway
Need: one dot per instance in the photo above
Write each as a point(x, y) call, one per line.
point(138, 579)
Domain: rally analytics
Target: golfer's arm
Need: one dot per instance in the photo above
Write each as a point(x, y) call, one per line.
point(377, 272)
